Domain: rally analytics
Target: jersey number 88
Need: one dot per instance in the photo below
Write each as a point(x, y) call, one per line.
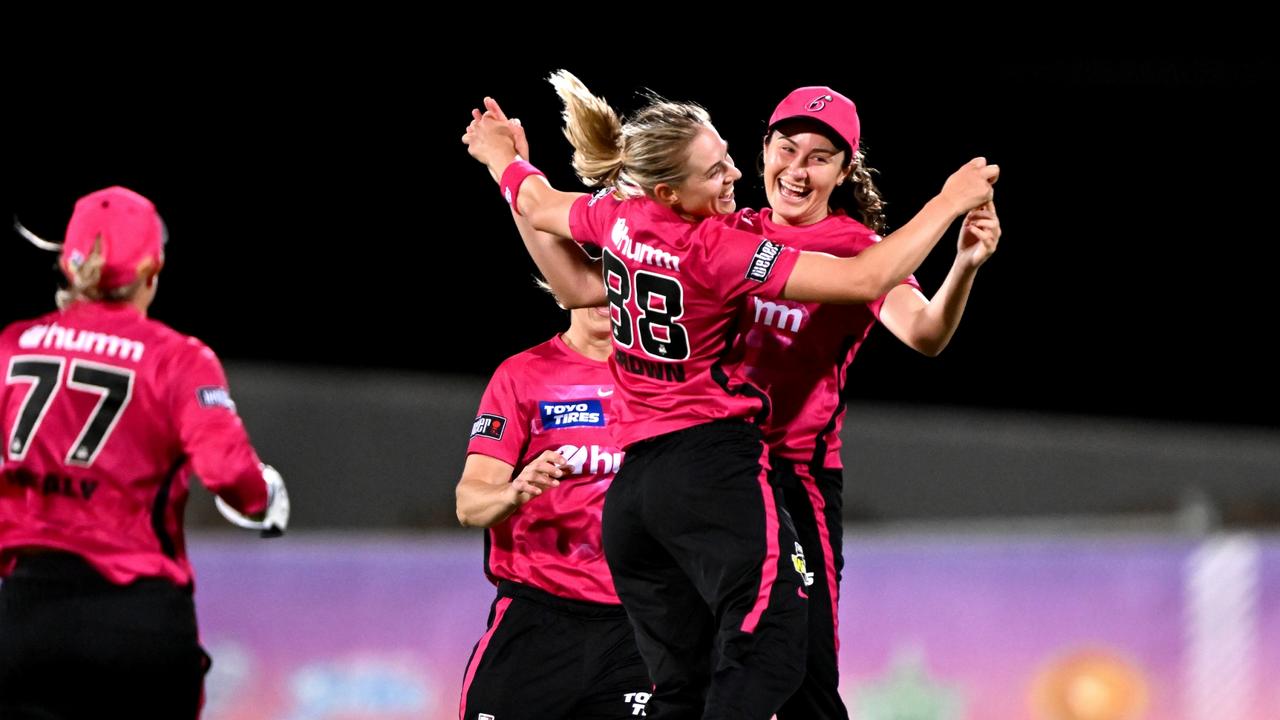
point(659, 304)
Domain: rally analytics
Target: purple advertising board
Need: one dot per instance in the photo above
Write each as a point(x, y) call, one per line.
point(932, 627)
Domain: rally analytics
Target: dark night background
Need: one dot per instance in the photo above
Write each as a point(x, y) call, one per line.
point(322, 210)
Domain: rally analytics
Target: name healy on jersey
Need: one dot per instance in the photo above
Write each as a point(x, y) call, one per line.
point(52, 484)
point(571, 413)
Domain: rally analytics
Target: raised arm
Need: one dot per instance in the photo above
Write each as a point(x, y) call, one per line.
point(819, 277)
point(575, 278)
point(489, 139)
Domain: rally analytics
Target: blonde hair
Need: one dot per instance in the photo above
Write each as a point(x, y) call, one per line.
point(634, 156)
point(85, 280)
point(545, 287)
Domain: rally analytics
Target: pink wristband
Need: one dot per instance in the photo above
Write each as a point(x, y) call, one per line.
point(512, 178)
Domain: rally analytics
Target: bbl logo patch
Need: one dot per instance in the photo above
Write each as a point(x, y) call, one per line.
point(571, 413)
point(762, 262)
point(215, 397)
point(490, 426)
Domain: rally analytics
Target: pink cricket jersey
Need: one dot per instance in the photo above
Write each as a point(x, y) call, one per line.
point(799, 353)
point(106, 415)
point(552, 398)
point(676, 290)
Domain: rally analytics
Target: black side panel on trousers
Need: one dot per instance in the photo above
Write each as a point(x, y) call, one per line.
point(700, 550)
point(73, 645)
point(814, 497)
point(547, 660)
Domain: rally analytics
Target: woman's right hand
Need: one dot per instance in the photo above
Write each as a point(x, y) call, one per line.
point(979, 236)
point(490, 141)
point(493, 110)
point(543, 473)
point(971, 185)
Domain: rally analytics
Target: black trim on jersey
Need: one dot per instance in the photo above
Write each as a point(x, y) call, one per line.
point(488, 551)
point(843, 361)
point(160, 505)
point(746, 388)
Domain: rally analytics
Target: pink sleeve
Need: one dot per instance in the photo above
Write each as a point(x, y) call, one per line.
point(741, 262)
point(878, 303)
point(862, 243)
point(211, 432)
point(499, 430)
point(592, 216)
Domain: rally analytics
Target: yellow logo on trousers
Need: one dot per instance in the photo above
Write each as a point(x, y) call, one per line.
point(797, 561)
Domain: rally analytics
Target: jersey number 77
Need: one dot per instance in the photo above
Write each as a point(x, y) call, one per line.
point(113, 385)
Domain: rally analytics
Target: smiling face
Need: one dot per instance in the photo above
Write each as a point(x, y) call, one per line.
point(802, 167)
point(707, 188)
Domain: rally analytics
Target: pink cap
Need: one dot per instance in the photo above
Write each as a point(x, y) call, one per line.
point(132, 236)
point(821, 103)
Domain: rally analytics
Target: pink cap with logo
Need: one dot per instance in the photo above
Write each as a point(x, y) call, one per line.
point(821, 103)
point(131, 231)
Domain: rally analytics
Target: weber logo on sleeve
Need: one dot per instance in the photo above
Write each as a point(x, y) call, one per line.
point(215, 397)
point(490, 426)
point(762, 262)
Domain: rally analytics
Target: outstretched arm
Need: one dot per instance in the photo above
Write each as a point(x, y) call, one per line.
point(819, 277)
point(927, 325)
